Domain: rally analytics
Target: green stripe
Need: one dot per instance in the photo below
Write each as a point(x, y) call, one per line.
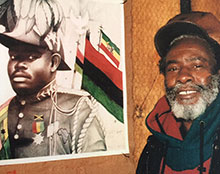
point(101, 96)
point(5, 152)
point(106, 38)
point(41, 126)
point(7, 149)
point(78, 68)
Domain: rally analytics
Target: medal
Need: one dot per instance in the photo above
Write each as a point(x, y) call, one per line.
point(38, 124)
point(38, 139)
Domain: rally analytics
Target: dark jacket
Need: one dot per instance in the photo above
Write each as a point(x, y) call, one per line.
point(153, 152)
point(161, 154)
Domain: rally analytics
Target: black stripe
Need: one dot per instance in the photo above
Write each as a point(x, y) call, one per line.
point(101, 80)
point(78, 62)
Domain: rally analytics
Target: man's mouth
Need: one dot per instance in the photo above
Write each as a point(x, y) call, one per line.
point(187, 92)
point(187, 95)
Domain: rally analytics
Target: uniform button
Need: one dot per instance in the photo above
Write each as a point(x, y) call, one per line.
point(23, 102)
point(16, 136)
point(20, 115)
point(19, 126)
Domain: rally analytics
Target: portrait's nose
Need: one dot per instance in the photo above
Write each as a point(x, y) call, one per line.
point(21, 64)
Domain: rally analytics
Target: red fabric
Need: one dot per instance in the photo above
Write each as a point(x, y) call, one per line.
point(171, 127)
point(99, 60)
point(80, 55)
point(206, 165)
point(109, 54)
point(167, 120)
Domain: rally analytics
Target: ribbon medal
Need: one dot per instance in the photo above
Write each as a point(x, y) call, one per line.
point(38, 124)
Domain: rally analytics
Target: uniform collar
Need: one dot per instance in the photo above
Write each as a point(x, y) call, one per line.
point(44, 93)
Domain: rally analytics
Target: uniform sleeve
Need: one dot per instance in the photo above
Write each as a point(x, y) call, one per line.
point(90, 135)
point(94, 139)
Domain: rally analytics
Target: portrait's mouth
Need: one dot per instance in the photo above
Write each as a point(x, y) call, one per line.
point(20, 77)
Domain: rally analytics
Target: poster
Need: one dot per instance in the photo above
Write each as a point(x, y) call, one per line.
point(93, 42)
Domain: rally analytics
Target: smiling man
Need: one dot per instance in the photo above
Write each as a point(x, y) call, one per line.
point(185, 122)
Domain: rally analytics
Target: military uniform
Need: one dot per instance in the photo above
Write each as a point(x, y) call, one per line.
point(54, 122)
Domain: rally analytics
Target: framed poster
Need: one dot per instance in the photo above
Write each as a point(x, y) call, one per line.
point(84, 115)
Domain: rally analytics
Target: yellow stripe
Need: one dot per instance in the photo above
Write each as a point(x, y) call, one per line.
point(5, 126)
point(115, 54)
point(104, 42)
point(78, 69)
point(38, 127)
point(4, 110)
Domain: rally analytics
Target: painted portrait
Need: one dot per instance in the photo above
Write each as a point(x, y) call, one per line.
point(63, 89)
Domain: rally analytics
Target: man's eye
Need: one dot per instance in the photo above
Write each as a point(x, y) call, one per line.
point(197, 66)
point(172, 69)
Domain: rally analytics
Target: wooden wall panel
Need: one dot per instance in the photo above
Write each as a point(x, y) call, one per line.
point(148, 16)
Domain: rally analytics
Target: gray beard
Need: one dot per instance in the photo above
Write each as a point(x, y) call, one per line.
point(190, 112)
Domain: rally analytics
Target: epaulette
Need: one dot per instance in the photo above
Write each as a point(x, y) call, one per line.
point(73, 91)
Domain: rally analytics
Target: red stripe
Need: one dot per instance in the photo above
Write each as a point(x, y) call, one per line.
point(102, 46)
point(79, 55)
point(5, 104)
point(34, 127)
point(99, 60)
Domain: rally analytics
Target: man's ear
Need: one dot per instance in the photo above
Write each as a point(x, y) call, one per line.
point(55, 60)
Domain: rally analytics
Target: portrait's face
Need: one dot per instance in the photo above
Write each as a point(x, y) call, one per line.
point(188, 76)
point(29, 69)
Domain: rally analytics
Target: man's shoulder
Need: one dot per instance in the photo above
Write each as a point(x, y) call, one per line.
point(72, 92)
point(69, 97)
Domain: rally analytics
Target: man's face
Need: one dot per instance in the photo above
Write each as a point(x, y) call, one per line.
point(189, 83)
point(29, 69)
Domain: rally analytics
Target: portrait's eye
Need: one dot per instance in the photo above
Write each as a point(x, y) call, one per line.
point(12, 57)
point(33, 56)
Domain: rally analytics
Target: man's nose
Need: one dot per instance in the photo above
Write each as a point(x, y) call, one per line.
point(21, 64)
point(184, 75)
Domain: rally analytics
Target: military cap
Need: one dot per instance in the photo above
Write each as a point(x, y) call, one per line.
point(33, 38)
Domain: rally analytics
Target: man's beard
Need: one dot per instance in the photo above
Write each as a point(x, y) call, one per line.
point(192, 111)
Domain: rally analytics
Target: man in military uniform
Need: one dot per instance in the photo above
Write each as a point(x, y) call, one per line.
point(44, 119)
